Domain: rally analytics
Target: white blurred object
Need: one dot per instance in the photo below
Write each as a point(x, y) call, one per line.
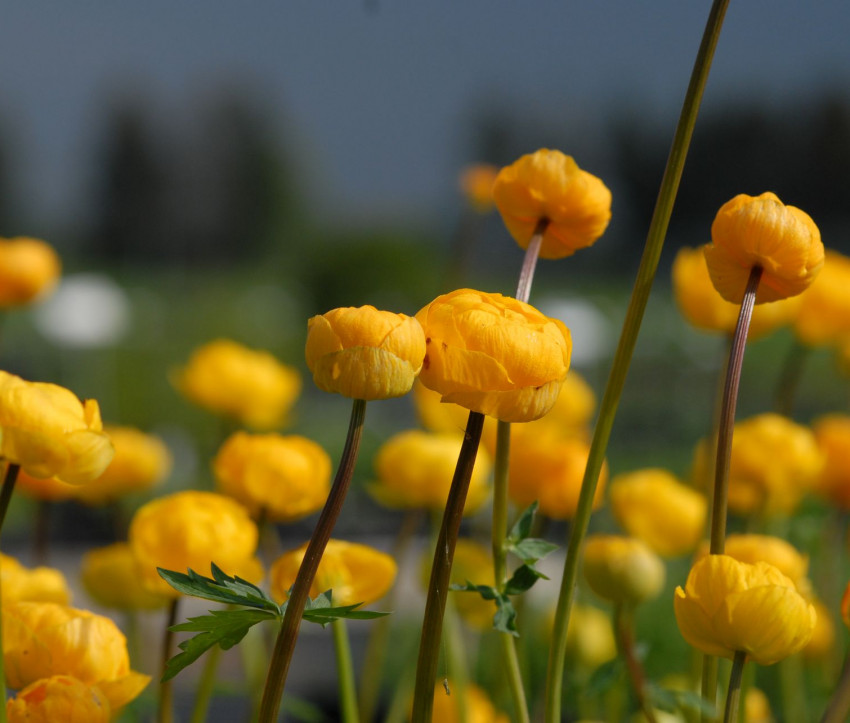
point(87, 310)
point(589, 327)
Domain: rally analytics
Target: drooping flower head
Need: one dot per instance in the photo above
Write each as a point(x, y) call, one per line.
point(364, 353)
point(494, 354)
point(751, 231)
point(29, 268)
point(548, 185)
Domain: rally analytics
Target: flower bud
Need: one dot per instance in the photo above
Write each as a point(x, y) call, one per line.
point(622, 569)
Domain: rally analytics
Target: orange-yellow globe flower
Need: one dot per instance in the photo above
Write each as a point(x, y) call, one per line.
point(49, 432)
point(44, 639)
point(283, 477)
point(822, 644)
point(414, 470)
point(476, 184)
point(110, 576)
point(622, 569)
point(590, 637)
point(247, 385)
point(548, 185)
point(832, 432)
point(364, 353)
point(757, 707)
point(494, 354)
point(191, 530)
point(824, 314)
point(728, 606)
point(653, 505)
point(59, 698)
point(29, 268)
point(39, 584)
point(355, 573)
point(47, 489)
point(751, 231)
point(479, 709)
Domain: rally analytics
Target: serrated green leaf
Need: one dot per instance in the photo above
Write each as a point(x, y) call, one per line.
point(532, 549)
point(322, 601)
point(488, 592)
point(231, 591)
point(605, 677)
point(319, 611)
point(523, 578)
point(505, 618)
point(522, 527)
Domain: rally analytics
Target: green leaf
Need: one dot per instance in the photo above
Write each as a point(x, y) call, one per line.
point(221, 627)
point(523, 578)
point(321, 611)
point(522, 527)
point(532, 549)
point(505, 618)
point(488, 592)
point(223, 589)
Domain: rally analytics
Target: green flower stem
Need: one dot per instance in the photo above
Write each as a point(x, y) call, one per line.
point(457, 666)
point(165, 708)
point(709, 687)
point(792, 680)
point(838, 708)
point(288, 634)
point(438, 586)
point(789, 378)
point(206, 685)
point(624, 630)
point(732, 697)
point(628, 338)
point(6, 490)
point(345, 672)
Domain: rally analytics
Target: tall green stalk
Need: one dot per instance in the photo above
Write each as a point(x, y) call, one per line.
point(345, 672)
point(622, 358)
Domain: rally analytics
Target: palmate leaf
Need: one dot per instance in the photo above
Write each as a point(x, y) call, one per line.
point(220, 588)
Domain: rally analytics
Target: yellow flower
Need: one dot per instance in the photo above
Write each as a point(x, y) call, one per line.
point(476, 184)
point(364, 353)
point(832, 432)
point(703, 307)
point(757, 707)
point(729, 606)
point(761, 231)
point(59, 698)
point(415, 470)
point(550, 468)
point(472, 563)
point(50, 433)
point(774, 463)
point(48, 489)
point(250, 386)
point(549, 185)
point(824, 315)
point(111, 576)
point(494, 354)
point(284, 477)
point(45, 639)
point(141, 461)
point(823, 637)
point(29, 268)
point(479, 709)
point(622, 569)
point(590, 637)
point(653, 505)
point(40, 584)
point(355, 573)
point(191, 530)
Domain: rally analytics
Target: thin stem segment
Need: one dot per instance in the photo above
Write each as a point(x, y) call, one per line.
point(288, 634)
point(624, 629)
point(734, 694)
point(165, 709)
point(529, 262)
point(345, 672)
point(839, 705)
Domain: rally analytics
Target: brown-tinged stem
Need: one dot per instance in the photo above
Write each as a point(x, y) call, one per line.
point(623, 626)
point(288, 634)
point(622, 357)
point(438, 586)
point(733, 696)
point(838, 708)
point(165, 709)
point(529, 262)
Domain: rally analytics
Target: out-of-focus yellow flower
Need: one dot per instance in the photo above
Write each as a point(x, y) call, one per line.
point(832, 432)
point(50, 433)
point(549, 468)
point(39, 584)
point(355, 573)
point(249, 386)
point(436, 415)
point(653, 505)
point(472, 563)
point(46, 489)
point(494, 354)
point(285, 478)
point(823, 636)
point(824, 315)
point(111, 576)
point(364, 353)
point(59, 698)
point(774, 462)
point(479, 709)
point(590, 637)
point(751, 231)
point(703, 307)
point(757, 707)
point(729, 606)
point(476, 184)
point(622, 569)
point(29, 268)
point(415, 470)
point(141, 461)
point(549, 185)
point(191, 530)
point(45, 639)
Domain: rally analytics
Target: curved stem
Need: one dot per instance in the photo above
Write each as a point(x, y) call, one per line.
point(345, 672)
point(206, 685)
point(288, 634)
point(731, 714)
point(623, 355)
point(623, 626)
point(165, 709)
point(435, 603)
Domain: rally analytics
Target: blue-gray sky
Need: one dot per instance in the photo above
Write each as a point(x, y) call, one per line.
point(376, 94)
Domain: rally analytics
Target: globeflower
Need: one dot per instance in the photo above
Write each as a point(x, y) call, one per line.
point(29, 268)
point(493, 354)
point(364, 353)
point(729, 606)
point(761, 231)
point(824, 315)
point(111, 576)
point(59, 698)
point(590, 637)
point(832, 433)
point(548, 186)
point(46, 430)
point(249, 386)
point(40, 584)
point(622, 570)
point(476, 184)
point(45, 489)
point(282, 477)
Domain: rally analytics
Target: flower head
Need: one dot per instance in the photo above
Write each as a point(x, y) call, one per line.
point(548, 185)
point(476, 184)
point(59, 698)
point(29, 268)
point(832, 432)
point(111, 576)
point(494, 354)
point(40, 584)
point(622, 569)
point(824, 314)
point(590, 637)
point(728, 606)
point(364, 353)
point(250, 386)
point(752, 548)
point(761, 231)
point(46, 430)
